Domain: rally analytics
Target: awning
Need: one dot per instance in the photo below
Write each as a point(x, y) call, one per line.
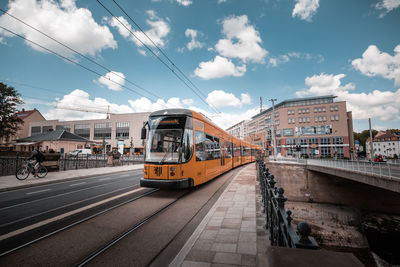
point(23, 143)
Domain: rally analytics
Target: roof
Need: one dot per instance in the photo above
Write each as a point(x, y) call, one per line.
point(23, 114)
point(58, 135)
point(384, 135)
point(292, 100)
point(174, 111)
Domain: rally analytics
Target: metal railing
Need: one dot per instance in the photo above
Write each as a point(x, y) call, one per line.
point(278, 220)
point(381, 169)
point(70, 162)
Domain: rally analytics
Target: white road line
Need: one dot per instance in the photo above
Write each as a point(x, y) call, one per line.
point(77, 184)
point(59, 217)
point(104, 179)
point(58, 195)
point(36, 192)
point(64, 206)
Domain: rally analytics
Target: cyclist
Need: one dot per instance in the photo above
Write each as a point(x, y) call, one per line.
point(37, 158)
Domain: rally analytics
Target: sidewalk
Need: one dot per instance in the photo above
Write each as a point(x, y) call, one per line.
point(230, 234)
point(10, 182)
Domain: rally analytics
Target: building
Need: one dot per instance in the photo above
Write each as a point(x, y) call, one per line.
point(118, 131)
point(385, 144)
point(58, 141)
point(317, 126)
point(27, 116)
point(237, 129)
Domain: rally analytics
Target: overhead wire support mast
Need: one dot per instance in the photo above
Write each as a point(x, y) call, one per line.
point(85, 57)
point(154, 54)
point(70, 60)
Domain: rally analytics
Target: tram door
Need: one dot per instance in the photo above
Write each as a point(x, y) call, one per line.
point(200, 153)
point(222, 152)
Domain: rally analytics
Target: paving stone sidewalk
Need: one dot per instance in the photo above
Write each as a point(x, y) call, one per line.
point(230, 234)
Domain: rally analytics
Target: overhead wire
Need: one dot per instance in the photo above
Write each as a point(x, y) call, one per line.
point(74, 62)
point(172, 69)
point(83, 56)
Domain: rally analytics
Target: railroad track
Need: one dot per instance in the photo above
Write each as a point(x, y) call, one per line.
point(4, 252)
point(137, 226)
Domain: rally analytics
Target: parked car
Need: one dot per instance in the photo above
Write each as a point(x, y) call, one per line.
point(83, 151)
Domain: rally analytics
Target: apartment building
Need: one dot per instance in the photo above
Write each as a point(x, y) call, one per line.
point(237, 130)
point(320, 126)
point(385, 144)
point(119, 130)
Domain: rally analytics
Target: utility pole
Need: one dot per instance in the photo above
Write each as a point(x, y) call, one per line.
point(370, 136)
point(273, 125)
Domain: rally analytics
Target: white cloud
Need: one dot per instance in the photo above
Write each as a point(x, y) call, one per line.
point(305, 9)
point(384, 105)
point(158, 31)
point(377, 63)
point(144, 104)
point(278, 60)
point(107, 80)
point(62, 20)
point(225, 120)
point(193, 42)
point(241, 40)
point(219, 67)
point(221, 1)
point(187, 102)
point(79, 99)
point(275, 61)
point(184, 2)
point(387, 6)
point(220, 98)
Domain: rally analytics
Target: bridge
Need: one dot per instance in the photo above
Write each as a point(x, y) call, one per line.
point(379, 174)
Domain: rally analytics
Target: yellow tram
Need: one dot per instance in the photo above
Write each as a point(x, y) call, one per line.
point(184, 149)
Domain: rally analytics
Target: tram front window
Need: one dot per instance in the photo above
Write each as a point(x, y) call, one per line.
point(167, 140)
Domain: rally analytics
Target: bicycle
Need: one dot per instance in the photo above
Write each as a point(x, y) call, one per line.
point(26, 168)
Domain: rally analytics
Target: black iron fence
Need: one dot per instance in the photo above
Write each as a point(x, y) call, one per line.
point(278, 220)
point(10, 165)
point(71, 162)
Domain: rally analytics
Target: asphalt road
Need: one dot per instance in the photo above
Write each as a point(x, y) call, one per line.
point(23, 207)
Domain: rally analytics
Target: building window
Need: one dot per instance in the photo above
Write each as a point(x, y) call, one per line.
point(303, 141)
point(36, 130)
point(337, 140)
point(47, 128)
point(325, 151)
point(65, 127)
point(82, 130)
point(325, 140)
point(313, 141)
point(102, 130)
point(122, 130)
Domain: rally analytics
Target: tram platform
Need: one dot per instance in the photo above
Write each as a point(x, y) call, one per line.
point(231, 233)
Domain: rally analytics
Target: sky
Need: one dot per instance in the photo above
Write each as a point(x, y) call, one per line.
point(214, 56)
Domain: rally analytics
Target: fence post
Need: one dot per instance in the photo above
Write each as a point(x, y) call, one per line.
point(87, 160)
point(16, 163)
point(390, 175)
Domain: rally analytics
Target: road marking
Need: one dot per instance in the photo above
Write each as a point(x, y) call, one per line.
point(77, 184)
point(58, 195)
point(62, 216)
point(104, 179)
point(35, 192)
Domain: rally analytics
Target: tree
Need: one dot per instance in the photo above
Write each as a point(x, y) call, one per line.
point(9, 121)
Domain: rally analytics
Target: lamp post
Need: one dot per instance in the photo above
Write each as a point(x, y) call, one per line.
point(273, 126)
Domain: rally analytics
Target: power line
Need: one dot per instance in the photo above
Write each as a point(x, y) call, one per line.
point(75, 51)
point(159, 49)
point(72, 61)
point(155, 54)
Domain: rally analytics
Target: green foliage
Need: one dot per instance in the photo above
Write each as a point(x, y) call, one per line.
point(363, 136)
point(9, 122)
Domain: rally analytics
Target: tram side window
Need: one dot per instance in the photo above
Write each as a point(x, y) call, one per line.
point(216, 154)
point(210, 147)
point(187, 145)
point(228, 149)
point(200, 146)
point(236, 150)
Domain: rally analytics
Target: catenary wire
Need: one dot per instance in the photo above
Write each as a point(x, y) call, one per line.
point(75, 51)
point(155, 54)
point(74, 62)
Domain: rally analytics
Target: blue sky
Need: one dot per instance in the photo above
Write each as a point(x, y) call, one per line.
point(233, 51)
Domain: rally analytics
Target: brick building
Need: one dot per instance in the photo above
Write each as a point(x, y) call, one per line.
point(319, 126)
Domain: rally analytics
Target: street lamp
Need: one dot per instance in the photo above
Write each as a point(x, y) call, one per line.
point(273, 125)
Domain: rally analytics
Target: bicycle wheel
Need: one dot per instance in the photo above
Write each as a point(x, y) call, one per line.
point(22, 173)
point(42, 171)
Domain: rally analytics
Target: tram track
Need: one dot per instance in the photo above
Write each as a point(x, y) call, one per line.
point(98, 252)
point(68, 226)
